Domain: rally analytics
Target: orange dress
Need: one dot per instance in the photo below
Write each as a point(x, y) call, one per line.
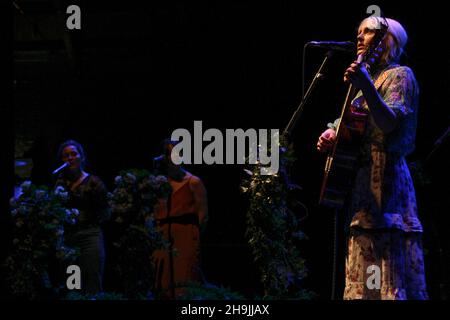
point(178, 219)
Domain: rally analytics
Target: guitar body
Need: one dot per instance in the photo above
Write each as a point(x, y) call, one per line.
point(341, 165)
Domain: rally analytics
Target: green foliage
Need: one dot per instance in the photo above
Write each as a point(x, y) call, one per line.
point(135, 266)
point(135, 194)
point(98, 296)
point(273, 230)
point(40, 221)
point(193, 291)
point(132, 203)
point(197, 291)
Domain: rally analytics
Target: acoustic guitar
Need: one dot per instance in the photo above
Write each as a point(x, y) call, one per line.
point(341, 163)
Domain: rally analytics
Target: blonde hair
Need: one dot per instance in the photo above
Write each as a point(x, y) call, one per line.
point(394, 42)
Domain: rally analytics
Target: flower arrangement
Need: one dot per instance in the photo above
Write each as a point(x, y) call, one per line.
point(273, 230)
point(39, 222)
point(135, 194)
point(132, 201)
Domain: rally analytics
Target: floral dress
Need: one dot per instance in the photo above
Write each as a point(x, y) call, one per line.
point(384, 229)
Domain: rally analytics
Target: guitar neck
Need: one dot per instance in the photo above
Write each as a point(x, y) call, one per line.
point(348, 99)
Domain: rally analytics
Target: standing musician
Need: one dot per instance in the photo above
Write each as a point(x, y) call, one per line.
point(180, 219)
point(384, 229)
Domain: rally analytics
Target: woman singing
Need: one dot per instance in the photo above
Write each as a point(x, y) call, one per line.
point(384, 229)
point(88, 194)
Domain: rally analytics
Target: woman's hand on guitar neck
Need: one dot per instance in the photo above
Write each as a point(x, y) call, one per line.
point(326, 140)
point(358, 75)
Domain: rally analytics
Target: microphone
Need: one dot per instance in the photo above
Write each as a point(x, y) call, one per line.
point(159, 158)
point(65, 165)
point(334, 45)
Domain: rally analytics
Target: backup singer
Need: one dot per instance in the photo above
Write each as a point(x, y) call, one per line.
point(180, 219)
point(88, 194)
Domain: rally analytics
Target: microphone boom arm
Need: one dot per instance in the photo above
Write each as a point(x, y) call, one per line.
point(293, 121)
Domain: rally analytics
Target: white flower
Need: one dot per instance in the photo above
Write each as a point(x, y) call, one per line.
point(61, 193)
point(161, 179)
point(25, 186)
point(59, 189)
point(118, 180)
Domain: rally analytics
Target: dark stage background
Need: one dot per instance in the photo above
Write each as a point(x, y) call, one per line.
point(135, 72)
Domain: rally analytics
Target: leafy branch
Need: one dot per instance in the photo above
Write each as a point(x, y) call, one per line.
point(273, 230)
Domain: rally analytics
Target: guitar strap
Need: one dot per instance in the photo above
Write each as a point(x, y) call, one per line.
point(384, 74)
point(380, 79)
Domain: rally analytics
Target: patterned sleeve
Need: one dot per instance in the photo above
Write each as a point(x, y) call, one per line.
point(401, 91)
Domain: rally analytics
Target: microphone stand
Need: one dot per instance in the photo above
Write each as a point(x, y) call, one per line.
point(319, 75)
point(286, 135)
point(444, 275)
point(437, 144)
